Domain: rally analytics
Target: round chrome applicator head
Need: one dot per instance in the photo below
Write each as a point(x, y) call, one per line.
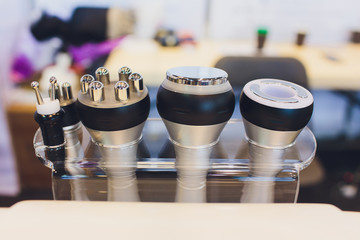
point(195, 104)
point(274, 111)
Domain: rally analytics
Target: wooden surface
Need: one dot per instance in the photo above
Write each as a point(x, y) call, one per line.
point(327, 67)
point(22, 127)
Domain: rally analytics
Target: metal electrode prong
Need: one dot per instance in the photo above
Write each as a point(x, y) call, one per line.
point(102, 75)
point(85, 81)
point(53, 82)
point(124, 73)
point(96, 89)
point(122, 91)
point(35, 86)
point(136, 82)
point(67, 92)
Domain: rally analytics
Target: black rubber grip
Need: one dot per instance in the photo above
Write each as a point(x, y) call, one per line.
point(51, 127)
point(191, 109)
point(274, 118)
point(71, 116)
point(114, 119)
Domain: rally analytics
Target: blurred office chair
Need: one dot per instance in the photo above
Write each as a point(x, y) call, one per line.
point(244, 69)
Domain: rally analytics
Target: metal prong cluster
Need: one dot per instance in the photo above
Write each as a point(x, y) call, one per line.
point(64, 94)
point(128, 82)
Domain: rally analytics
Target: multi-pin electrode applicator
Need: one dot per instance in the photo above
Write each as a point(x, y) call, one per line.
point(113, 112)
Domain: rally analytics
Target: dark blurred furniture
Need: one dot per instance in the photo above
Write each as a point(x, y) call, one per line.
point(244, 69)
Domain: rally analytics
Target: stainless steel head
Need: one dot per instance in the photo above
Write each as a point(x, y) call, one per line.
point(109, 124)
point(191, 93)
point(197, 76)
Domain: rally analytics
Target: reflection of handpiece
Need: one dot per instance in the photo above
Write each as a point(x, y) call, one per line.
point(49, 116)
point(114, 113)
point(73, 135)
point(195, 104)
point(274, 113)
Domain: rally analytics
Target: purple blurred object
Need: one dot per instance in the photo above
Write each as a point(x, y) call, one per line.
point(89, 52)
point(21, 69)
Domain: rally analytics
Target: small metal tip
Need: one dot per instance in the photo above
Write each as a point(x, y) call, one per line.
point(85, 81)
point(67, 92)
point(124, 73)
point(35, 86)
point(53, 82)
point(96, 89)
point(102, 75)
point(122, 91)
point(136, 82)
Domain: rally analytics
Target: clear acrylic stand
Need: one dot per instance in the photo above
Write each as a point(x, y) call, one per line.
point(148, 171)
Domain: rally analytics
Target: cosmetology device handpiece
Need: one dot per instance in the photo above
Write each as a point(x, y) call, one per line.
point(274, 113)
point(195, 104)
point(49, 116)
point(114, 112)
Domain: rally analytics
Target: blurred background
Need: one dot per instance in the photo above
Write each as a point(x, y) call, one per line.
point(69, 38)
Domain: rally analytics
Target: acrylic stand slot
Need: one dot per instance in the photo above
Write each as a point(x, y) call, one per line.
point(148, 171)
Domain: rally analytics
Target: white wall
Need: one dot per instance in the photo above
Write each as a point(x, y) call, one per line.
point(326, 21)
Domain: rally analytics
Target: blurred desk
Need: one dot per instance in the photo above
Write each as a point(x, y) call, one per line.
point(327, 67)
point(97, 220)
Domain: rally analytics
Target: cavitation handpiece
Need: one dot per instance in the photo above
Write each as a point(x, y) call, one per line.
point(114, 112)
point(274, 111)
point(195, 104)
point(49, 116)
